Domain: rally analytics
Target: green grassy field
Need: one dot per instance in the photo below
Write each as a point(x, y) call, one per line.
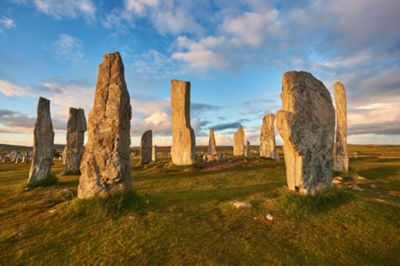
point(185, 216)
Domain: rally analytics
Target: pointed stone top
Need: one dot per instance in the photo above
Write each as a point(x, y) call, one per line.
point(43, 100)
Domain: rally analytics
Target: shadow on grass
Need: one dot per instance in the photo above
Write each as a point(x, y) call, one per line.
point(47, 182)
point(113, 206)
point(298, 206)
point(221, 194)
point(380, 172)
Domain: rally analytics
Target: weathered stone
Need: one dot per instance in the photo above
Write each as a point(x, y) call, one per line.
point(238, 142)
point(183, 150)
point(306, 124)
point(341, 162)
point(212, 147)
point(105, 164)
point(154, 153)
point(146, 145)
point(43, 141)
point(267, 138)
point(247, 149)
point(74, 149)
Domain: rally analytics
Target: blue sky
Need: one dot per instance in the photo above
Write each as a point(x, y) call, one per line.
point(234, 54)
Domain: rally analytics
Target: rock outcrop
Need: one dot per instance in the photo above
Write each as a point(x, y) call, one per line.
point(238, 142)
point(146, 146)
point(267, 138)
point(341, 161)
point(183, 150)
point(43, 142)
point(306, 124)
point(106, 165)
point(73, 151)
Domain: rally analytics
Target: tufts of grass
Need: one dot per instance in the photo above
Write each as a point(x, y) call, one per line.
point(113, 206)
point(298, 205)
point(48, 182)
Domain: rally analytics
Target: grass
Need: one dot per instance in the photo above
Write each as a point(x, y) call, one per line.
point(185, 216)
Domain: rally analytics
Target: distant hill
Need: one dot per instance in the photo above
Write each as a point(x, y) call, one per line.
point(8, 147)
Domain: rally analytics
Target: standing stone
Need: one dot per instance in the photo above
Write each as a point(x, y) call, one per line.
point(154, 153)
point(212, 147)
point(247, 149)
point(341, 162)
point(238, 142)
point(183, 150)
point(267, 138)
point(73, 152)
point(43, 141)
point(146, 147)
point(306, 124)
point(105, 164)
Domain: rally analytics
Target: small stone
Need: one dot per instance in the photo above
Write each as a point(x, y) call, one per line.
point(67, 194)
point(355, 187)
point(373, 186)
point(269, 217)
point(52, 211)
point(242, 205)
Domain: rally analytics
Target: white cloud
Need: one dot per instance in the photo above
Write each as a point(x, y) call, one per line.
point(68, 47)
point(6, 23)
point(11, 89)
point(139, 6)
point(66, 8)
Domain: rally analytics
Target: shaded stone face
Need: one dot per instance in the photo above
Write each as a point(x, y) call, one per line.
point(247, 149)
point(154, 153)
point(238, 142)
point(341, 162)
point(105, 164)
point(73, 152)
point(146, 147)
point(183, 150)
point(306, 124)
point(212, 147)
point(267, 138)
point(43, 141)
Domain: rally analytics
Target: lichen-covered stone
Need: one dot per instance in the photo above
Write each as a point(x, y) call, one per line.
point(73, 152)
point(267, 138)
point(238, 142)
point(43, 142)
point(183, 150)
point(341, 162)
point(146, 146)
point(212, 147)
point(105, 164)
point(306, 124)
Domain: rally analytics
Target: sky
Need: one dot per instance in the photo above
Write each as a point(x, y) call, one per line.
point(234, 53)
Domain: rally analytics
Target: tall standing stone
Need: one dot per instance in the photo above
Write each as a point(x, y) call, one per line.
point(183, 150)
point(146, 145)
point(43, 141)
point(238, 142)
point(212, 147)
point(306, 124)
point(73, 152)
point(341, 162)
point(267, 138)
point(154, 153)
point(105, 164)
